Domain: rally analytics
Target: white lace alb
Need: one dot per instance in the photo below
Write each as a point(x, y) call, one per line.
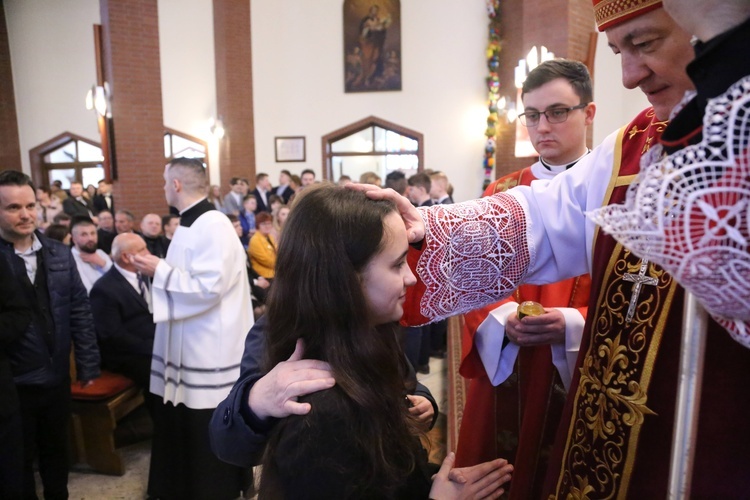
point(689, 212)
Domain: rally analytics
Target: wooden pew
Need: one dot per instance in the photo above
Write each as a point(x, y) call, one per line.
point(96, 410)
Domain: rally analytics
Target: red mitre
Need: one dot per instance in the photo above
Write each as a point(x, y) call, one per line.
point(609, 13)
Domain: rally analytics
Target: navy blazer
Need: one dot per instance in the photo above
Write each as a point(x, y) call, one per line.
point(124, 325)
point(285, 194)
point(100, 203)
point(262, 207)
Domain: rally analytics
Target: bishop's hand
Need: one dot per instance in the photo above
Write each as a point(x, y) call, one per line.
point(410, 215)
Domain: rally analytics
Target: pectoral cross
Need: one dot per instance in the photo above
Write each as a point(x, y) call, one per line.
point(638, 280)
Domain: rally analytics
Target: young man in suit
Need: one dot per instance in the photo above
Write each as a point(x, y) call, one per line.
point(283, 190)
point(261, 192)
point(76, 204)
point(418, 191)
point(103, 199)
point(233, 199)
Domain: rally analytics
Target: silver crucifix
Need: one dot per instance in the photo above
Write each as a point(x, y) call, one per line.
point(638, 280)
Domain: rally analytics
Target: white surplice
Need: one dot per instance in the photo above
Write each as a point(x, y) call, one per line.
point(499, 360)
point(202, 311)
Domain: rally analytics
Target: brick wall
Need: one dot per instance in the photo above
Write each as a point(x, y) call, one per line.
point(563, 27)
point(131, 66)
point(234, 89)
point(10, 149)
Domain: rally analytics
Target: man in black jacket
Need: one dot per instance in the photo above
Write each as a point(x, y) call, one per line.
point(76, 205)
point(103, 199)
point(156, 242)
point(14, 318)
point(47, 276)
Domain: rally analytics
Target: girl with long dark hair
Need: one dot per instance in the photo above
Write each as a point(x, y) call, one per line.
point(341, 279)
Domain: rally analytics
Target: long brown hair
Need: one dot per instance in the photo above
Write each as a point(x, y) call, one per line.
point(330, 236)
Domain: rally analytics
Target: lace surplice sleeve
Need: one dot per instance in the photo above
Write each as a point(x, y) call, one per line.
point(475, 253)
point(688, 212)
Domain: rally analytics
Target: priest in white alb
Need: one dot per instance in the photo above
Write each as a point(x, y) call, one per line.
point(202, 311)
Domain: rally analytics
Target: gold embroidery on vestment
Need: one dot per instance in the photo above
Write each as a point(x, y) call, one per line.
point(611, 402)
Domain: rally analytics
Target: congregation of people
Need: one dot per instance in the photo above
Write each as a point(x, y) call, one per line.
point(112, 322)
point(284, 326)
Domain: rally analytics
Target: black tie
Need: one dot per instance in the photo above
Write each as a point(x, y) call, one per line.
point(142, 285)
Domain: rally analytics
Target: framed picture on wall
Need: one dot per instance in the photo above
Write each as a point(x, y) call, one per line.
point(372, 45)
point(290, 149)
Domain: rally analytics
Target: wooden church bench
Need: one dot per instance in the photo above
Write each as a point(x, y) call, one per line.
point(96, 410)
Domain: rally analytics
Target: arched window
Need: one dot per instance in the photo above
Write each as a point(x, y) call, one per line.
point(372, 145)
point(67, 158)
point(179, 145)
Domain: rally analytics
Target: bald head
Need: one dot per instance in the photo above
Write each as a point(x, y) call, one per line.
point(151, 225)
point(124, 247)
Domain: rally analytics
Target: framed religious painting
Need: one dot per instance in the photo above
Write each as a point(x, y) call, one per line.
point(372, 45)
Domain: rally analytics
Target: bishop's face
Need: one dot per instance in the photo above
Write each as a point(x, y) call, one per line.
point(654, 52)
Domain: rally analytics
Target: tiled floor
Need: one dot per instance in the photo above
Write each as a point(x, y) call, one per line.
point(86, 485)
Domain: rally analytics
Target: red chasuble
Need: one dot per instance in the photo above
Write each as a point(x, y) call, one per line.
point(518, 419)
point(616, 435)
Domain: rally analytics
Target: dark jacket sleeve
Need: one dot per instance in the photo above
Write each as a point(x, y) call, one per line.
point(237, 435)
point(421, 390)
point(82, 327)
point(15, 315)
point(110, 323)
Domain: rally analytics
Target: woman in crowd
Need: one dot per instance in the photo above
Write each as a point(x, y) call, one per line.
point(275, 203)
point(340, 285)
point(279, 219)
point(214, 197)
point(262, 248)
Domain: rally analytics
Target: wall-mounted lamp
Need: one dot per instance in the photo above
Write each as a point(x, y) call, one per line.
point(98, 98)
point(216, 127)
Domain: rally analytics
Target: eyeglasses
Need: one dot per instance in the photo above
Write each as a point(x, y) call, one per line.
point(554, 115)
